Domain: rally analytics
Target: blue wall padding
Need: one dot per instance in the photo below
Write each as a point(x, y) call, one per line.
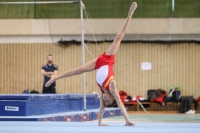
point(39, 104)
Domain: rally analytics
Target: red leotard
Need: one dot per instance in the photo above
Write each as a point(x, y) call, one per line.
point(105, 74)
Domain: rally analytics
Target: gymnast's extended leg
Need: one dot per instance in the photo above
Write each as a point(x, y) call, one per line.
point(112, 50)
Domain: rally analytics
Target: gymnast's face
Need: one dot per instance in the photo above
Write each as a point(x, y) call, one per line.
point(108, 98)
point(50, 59)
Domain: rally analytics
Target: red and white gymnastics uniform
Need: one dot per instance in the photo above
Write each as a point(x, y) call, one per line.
point(104, 75)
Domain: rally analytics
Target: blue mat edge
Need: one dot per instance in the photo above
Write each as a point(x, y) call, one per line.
point(78, 116)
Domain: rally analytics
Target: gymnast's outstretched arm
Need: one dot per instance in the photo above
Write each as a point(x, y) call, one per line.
point(101, 111)
point(114, 92)
point(90, 66)
point(112, 50)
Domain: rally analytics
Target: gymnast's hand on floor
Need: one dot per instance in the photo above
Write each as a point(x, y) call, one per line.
point(53, 78)
point(129, 124)
point(104, 125)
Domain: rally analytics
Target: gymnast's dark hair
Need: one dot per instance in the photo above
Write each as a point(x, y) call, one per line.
point(114, 104)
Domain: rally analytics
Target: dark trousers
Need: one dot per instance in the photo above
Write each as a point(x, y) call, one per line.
point(193, 101)
point(50, 89)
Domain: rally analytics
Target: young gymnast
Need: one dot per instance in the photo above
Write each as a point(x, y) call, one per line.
point(104, 76)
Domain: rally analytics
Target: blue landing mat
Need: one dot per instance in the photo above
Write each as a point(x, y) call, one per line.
point(39, 104)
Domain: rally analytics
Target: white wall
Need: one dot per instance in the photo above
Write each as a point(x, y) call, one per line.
point(99, 26)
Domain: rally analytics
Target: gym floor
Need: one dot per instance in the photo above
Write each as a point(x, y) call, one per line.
point(156, 123)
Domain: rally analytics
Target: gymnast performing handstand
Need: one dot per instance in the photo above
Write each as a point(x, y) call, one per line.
point(104, 76)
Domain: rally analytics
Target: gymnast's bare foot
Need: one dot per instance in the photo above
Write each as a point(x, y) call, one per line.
point(129, 124)
point(53, 78)
point(133, 7)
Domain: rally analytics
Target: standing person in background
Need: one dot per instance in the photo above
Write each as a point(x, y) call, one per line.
point(47, 71)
